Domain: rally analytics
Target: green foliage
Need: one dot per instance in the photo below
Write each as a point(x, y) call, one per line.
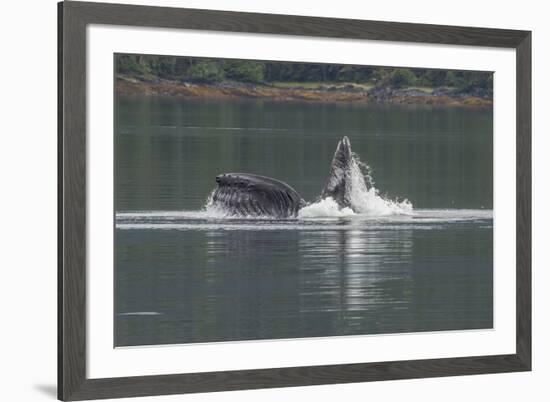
point(206, 71)
point(248, 71)
point(163, 66)
point(129, 64)
point(401, 77)
point(434, 78)
point(381, 76)
point(354, 74)
point(467, 80)
point(245, 71)
point(450, 79)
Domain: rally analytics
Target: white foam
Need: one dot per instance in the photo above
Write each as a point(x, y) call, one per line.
point(368, 200)
point(212, 210)
point(205, 213)
point(365, 200)
point(324, 208)
point(321, 216)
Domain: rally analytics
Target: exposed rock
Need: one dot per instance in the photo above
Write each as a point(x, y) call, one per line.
point(475, 97)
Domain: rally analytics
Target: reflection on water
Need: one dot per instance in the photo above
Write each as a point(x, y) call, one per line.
point(215, 280)
point(184, 276)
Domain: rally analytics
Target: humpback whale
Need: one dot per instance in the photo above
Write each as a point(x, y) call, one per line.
point(254, 195)
point(246, 194)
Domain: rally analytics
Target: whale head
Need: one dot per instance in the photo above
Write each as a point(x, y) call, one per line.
point(248, 194)
point(338, 183)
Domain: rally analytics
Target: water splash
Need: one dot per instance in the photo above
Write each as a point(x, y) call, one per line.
point(364, 196)
point(326, 207)
point(213, 210)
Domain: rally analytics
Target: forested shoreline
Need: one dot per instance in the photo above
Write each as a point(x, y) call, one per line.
point(221, 78)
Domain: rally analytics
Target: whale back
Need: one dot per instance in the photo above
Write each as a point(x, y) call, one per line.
point(246, 194)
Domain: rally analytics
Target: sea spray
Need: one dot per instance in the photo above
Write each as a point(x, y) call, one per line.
point(365, 198)
point(326, 207)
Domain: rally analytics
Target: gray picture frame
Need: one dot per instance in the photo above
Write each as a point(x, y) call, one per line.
point(73, 18)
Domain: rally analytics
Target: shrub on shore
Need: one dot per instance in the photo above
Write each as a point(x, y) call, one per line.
point(205, 72)
point(202, 70)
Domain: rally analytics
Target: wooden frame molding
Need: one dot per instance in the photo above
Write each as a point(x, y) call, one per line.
point(73, 17)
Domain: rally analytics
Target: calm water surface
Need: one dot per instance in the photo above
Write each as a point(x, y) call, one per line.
point(184, 276)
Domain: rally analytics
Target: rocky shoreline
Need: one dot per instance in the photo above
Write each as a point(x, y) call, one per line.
point(127, 85)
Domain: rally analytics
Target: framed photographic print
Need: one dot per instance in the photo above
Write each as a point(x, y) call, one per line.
point(254, 201)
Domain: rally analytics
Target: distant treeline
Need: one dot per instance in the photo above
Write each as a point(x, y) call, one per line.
point(212, 71)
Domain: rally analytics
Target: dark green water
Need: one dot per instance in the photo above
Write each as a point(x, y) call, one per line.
point(186, 276)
